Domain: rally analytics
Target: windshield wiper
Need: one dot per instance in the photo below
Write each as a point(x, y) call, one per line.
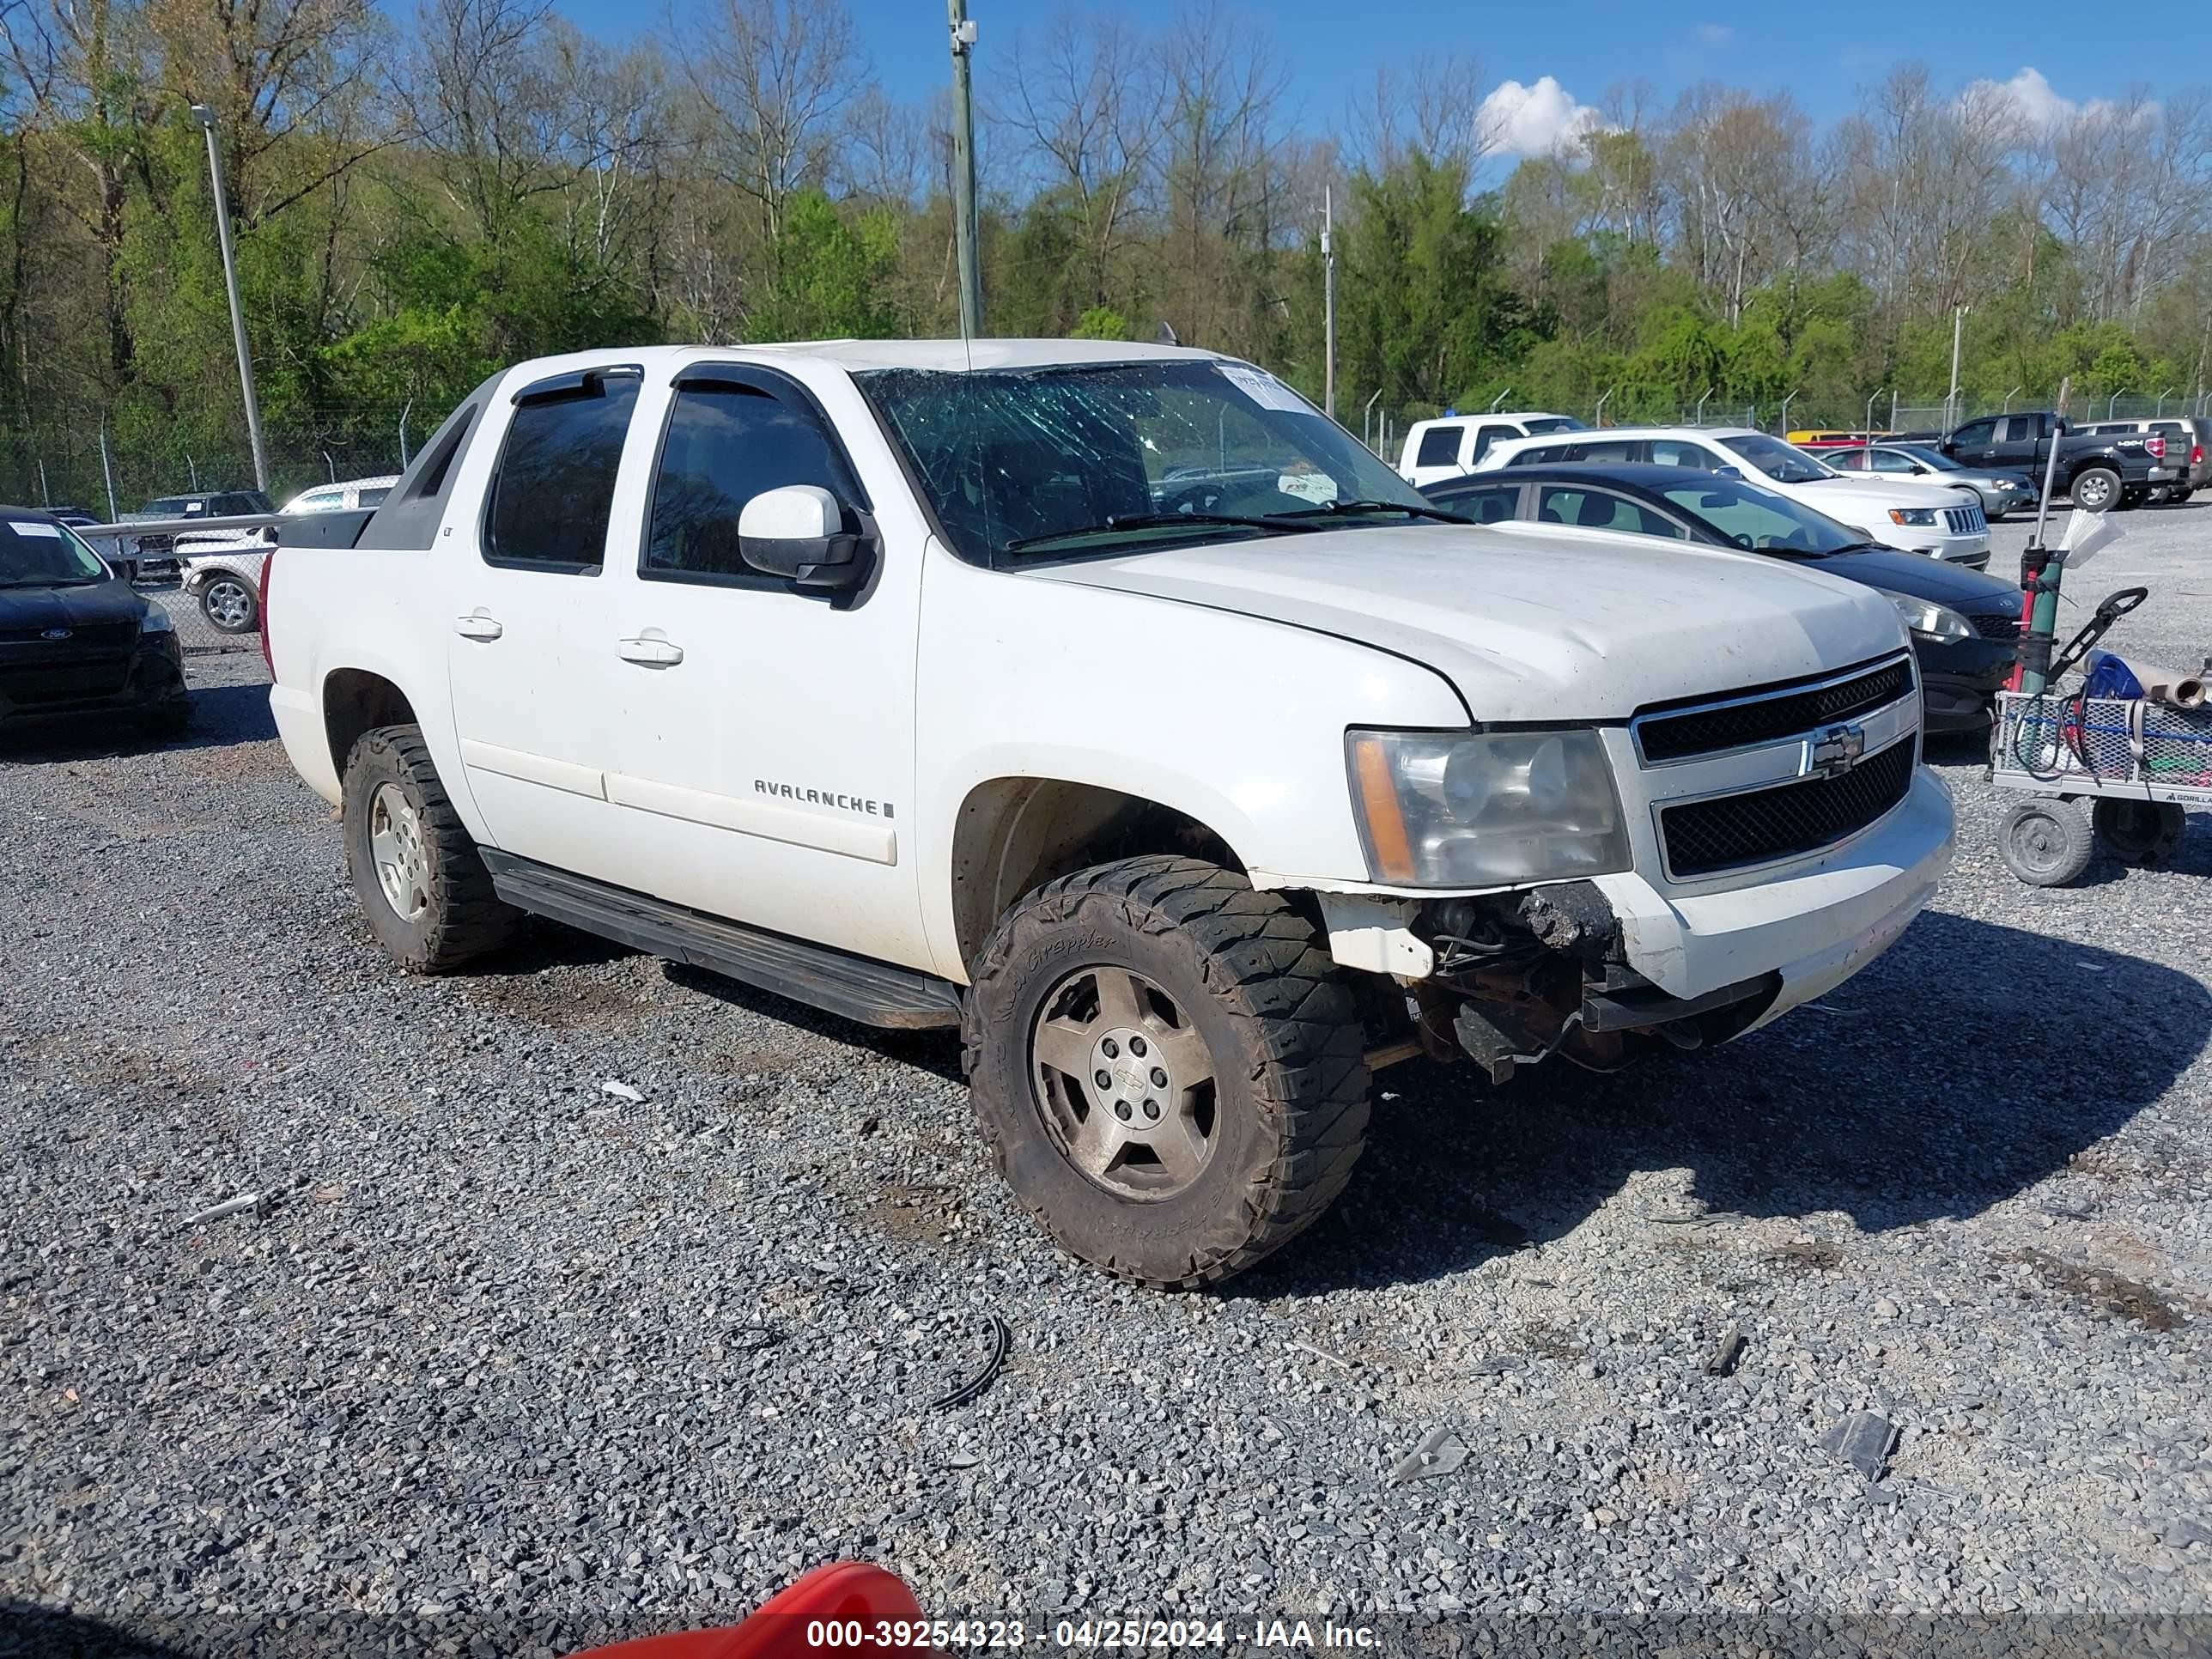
point(1158, 521)
point(1436, 513)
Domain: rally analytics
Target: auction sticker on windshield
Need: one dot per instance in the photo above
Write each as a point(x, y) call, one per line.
point(32, 527)
point(1308, 484)
point(1261, 387)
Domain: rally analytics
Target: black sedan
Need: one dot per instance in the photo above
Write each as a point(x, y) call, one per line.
point(74, 639)
point(1963, 624)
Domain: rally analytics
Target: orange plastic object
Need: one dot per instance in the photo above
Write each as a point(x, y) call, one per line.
point(862, 1597)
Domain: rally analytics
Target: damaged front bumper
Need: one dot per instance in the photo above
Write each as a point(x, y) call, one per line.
point(1598, 970)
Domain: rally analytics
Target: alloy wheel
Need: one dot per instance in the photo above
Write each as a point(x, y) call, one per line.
point(1124, 1083)
point(395, 845)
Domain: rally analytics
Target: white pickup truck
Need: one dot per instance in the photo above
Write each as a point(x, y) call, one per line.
point(1108, 703)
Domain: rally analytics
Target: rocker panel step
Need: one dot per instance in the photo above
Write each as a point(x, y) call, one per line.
point(872, 993)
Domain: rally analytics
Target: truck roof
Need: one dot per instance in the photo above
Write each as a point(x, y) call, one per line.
point(948, 356)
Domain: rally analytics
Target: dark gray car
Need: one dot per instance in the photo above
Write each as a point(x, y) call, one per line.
point(2001, 492)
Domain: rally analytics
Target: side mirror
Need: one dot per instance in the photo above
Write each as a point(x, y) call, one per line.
point(798, 532)
point(1728, 472)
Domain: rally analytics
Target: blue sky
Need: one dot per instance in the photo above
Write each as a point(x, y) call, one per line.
point(1822, 52)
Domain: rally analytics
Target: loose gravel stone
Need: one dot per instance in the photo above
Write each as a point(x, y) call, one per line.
point(510, 1364)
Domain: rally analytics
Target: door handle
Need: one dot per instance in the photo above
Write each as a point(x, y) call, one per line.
point(653, 653)
point(477, 627)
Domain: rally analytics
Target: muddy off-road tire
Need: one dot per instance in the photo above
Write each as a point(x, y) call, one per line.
point(423, 887)
point(1168, 1067)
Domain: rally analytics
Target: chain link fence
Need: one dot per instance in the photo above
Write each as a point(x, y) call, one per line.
point(109, 473)
point(209, 589)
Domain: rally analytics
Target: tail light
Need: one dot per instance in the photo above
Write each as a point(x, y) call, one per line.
point(2155, 447)
point(2196, 455)
point(268, 567)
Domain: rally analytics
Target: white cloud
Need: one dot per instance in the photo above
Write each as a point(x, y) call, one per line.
point(1714, 34)
point(1536, 120)
point(2035, 102)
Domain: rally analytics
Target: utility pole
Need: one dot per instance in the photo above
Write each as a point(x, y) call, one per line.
point(205, 117)
point(1951, 403)
point(963, 171)
point(1328, 297)
point(107, 473)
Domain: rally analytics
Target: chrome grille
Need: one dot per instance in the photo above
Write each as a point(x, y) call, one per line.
point(1768, 719)
point(1701, 838)
point(1965, 520)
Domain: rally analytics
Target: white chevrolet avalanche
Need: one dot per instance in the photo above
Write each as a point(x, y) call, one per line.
point(1110, 704)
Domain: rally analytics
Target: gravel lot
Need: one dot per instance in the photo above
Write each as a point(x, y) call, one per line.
point(512, 1364)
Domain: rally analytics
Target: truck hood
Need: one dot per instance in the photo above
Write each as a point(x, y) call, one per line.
point(1576, 631)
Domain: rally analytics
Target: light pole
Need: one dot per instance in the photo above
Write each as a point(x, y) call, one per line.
point(1500, 399)
point(1951, 400)
point(205, 117)
point(1597, 415)
point(1328, 300)
point(2009, 396)
point(963, 171)
point(1700, 421)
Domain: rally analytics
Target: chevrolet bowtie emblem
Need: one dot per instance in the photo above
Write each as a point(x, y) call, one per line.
point(1836, 750)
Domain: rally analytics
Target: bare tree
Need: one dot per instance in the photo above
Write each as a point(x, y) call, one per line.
point(1749, 200)
point(776, 82)
point(1432, 109)
point(1227, 198)
point(1087, 105)
point(84, 69)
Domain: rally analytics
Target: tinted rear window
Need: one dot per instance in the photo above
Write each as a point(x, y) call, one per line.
point(555, 487)
point(1439, 446)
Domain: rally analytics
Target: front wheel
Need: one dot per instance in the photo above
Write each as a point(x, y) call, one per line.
point(2097, 488)
point(2046, 843)
point(422, 885)
point(229, 604)
point(2140, 831)
point(1168, 1067)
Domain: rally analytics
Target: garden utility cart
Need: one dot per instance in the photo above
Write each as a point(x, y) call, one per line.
point(2122, 769)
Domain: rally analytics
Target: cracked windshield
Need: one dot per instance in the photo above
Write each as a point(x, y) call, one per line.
point(1114, 457)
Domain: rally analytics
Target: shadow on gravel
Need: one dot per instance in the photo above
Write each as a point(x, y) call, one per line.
point(1956, 748)
point(1966, 1065)
point(936, 1052)
point(29, 1632)
point(222, 715)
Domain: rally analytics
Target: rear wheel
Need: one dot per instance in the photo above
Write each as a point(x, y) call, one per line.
point(1169, 1068)
point(2046, 843)
point(229, 604)
point(2140, 831)
point(422, 885)
point(2096, 488)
